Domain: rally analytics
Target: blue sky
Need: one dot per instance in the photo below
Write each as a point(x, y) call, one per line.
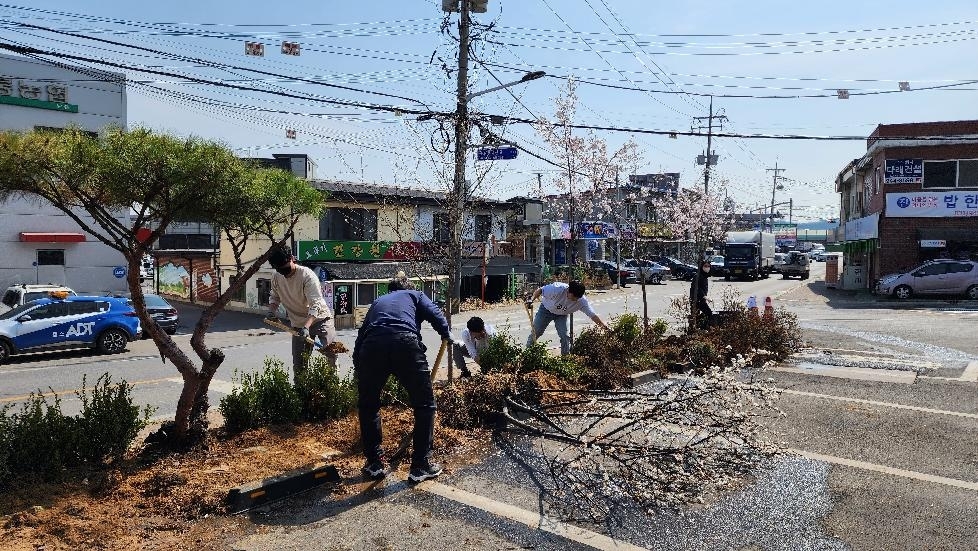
point(765, 48)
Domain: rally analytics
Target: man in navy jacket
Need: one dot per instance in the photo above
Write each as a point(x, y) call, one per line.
point(389, 343)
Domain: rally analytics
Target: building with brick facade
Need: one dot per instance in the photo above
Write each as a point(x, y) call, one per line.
point(911, 197)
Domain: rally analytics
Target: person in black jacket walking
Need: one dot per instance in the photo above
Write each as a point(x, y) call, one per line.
point(389, 343)
point(698, 289)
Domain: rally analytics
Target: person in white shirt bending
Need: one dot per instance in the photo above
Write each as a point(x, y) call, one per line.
point(558, 301)
point(475, 336)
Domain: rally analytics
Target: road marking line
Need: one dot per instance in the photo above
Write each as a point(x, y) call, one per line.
point(888, 470)
point(881, 404)
point(217, 385)
point(855, 373)
point(971, 372)
point(74, 390)
point(528, 518)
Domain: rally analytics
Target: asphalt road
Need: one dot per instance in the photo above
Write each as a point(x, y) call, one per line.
point(880, 420)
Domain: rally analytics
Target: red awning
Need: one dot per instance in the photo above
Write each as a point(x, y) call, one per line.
point(51, 237)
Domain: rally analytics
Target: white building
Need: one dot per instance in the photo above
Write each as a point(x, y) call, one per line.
point(38, 243)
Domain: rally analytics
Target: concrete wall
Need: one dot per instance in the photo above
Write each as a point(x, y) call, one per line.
point(101, 101)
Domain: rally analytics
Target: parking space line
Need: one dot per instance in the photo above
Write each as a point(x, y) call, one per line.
point(528, 518)
point(880, 404)
point(971, 372)
point(964, 484)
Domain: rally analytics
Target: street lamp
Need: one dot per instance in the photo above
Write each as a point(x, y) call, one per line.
point(526, 78)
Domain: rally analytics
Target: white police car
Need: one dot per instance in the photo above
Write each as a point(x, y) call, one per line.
point(60, 321)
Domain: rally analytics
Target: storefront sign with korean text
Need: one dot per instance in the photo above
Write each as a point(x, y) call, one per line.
point(312, 251)
point(596, 230)
point(903, 171)
point(924, 204)
point(785, 235)
point(560, 230)
point(25, 93)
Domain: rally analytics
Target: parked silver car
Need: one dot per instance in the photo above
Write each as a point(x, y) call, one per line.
point(653, 272)
point(936, 277)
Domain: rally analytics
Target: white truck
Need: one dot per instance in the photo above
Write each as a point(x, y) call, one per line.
point(748, 254)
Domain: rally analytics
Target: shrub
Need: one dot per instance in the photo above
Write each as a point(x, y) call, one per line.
point(702, 354)
point(42, 440)
point(501, 354)
point(323, 394)
point(109, 420)
point(626, 328)
point(744, 333)
point(392, 393)
point(265, 398)
point(473, 402)
point(657, 330)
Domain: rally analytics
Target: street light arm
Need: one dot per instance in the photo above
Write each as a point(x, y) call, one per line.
point(526, 78)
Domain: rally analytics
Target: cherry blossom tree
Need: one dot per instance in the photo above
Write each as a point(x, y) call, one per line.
point(588, 172)
point(700, 218)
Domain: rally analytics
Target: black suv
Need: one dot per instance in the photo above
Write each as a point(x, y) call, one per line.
point(680, 270)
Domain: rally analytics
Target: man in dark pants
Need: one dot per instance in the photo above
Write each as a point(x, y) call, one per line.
point(700, 286)
point(389, 343)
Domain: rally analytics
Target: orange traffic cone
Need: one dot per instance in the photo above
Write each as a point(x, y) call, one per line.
point(752, 306)
point(768, 308)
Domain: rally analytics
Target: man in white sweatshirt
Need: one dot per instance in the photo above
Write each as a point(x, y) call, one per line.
point(558, 300)
point(297, 289)
point(475, 336)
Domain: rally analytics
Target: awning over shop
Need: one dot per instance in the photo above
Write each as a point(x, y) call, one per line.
point(955, 235)
point(52, 237)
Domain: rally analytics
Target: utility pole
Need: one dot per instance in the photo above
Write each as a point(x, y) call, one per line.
point(539, 185)
point(708, 159)
point(457, 219)
point(777, 173)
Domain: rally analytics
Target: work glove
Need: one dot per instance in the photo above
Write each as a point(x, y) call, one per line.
point(529, 305)
point(271, 316)
point(302, 332)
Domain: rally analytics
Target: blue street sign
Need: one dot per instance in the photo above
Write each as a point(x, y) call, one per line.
point(496, 153)
point(119, 272)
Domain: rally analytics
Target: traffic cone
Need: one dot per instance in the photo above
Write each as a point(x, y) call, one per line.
point(752, 306)
point(768, 308)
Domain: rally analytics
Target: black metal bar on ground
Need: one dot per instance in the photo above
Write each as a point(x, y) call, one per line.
point(253, 494)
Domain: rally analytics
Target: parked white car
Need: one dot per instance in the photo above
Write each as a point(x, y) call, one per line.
point(19, 295)
point(936, 277)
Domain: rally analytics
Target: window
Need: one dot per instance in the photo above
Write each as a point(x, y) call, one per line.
point(264, 288)
point(10, 298)
point(483, 226)
point(348, 225)
point(82, 308)
point(53, 310)
point(238, 296)
point(938, 174)
point(439, 230)
point(932, 269)
point(185, 241)
point(959, 267)
point(968, 173)
point(366, 293)
point(51, 257)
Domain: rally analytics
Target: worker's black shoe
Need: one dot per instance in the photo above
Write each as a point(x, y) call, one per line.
point(466, 373)
point(424, 472)
point(374, 470)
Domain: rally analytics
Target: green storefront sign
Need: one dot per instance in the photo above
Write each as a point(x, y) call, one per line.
point(312, 251)
point(40, 104)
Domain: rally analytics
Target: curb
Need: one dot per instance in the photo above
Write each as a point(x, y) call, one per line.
point(253, 494)
point(643, 377)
